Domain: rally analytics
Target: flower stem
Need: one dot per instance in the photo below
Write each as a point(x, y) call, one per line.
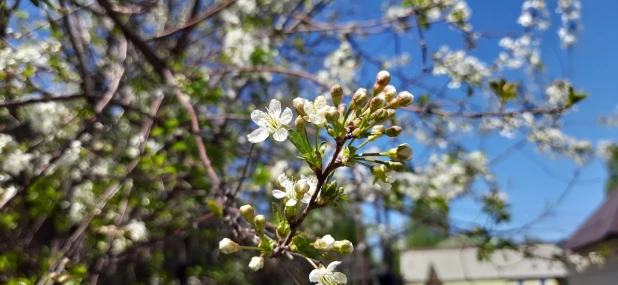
point(312, 263)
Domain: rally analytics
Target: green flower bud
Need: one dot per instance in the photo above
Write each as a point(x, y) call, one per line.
point(396, 166)
point(260, 223)
point(336, 93)
point(248, 213)
point(356, 133)
point(402, 153)
point(344, 247)
point(331, 132)
point(393, 131)
point(299, 123)
point(359, 99)
point(357, 122)
point(380, 170)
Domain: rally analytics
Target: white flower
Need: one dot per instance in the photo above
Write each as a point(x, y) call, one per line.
point(257, 263)
point(227, 246)
point(17, 161)
point(327, 242)
point(7, 194)
point(272, 123)
point(137, 230)
point(313, 184)
point(326, 276)
point(284, 183)
point(316, 110)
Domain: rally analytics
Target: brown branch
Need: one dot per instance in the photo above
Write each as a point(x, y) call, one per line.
point(166, 74)
point(17, 103)
point(274, 69)
point(477, 115)
point(195, 20)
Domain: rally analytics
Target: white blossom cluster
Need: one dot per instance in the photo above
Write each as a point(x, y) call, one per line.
point(445, 176)
point(558, 93)
point(81, 202)
point(459, 16)
point(462, 68)
point(606, 149)
point(341, 65)
point(50, 119)
point(519, 51)
point(581, 262)
point(508, 126)
point(534, 14)
point(570, 14)
point(553, 142)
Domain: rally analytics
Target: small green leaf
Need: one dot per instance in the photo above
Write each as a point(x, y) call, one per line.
point(574, 97)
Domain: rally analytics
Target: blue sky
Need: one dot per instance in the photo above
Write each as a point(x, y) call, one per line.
point(533, 180)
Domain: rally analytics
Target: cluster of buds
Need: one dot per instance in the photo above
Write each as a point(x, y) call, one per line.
point(367, 116)
point(327, 243)
point(258, 222)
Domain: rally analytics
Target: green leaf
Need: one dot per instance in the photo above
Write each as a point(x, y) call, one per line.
point(303, 247)
point(574, 97)
point(300, 143)
point(504, 90)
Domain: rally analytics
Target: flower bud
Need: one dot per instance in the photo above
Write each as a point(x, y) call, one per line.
point(332, 115)
point(380, 170)
point(331, 132)
point(227, 246)
point(357, 122)
point(260, 223)
point(380, 116)
point(248, 213)
point(336, 93)
point(390, 113)
point(356, 133)
point(327, 242)
point(393, 131)
point(299, 123)
point(376, 103)
point(389, 93)
point(359, 99)
point(402, 153)
point(383, 78)
point(299, 105)
point(396, 166)
point(256, 263)
point(342, 109)
point(404, 99)
point(344, 246)
point(301, 186)
point(378, 130)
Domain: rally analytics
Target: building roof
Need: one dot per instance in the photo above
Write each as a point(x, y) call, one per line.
point(600, 226)
point(461, 264)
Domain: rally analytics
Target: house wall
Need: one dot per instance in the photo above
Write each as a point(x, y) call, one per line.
point(497, 282)
point(607, 274)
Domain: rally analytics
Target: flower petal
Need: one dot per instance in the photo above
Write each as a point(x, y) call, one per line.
point(291, 202)
point(286, 116)
point(258, 135)
point(274, 109)
point(333, 265)
point(306, 198)
point(280, 135)
point(315, 275)
point(278, 194)
point(341, 278)
point(259, 118)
